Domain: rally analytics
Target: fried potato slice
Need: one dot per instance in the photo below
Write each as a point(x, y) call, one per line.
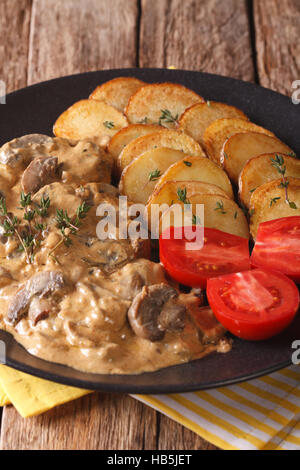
point(197, 169)
point(126, 135)
point(198, 117)
point(239, 148)
point(163, 138)
point(160, 103)
point(89, 119)
point(260, 170)
point(268, 202)
point(223, 214)
point(220, 211)
point(168, 191)
point(116, 92)
point(139, 178)
point(219, 131)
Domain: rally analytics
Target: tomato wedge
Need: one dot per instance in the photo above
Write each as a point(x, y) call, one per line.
point(221, 253)
point(253, 305)
point(278, 246)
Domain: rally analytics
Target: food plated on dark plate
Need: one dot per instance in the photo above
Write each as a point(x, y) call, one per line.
point(104, 297)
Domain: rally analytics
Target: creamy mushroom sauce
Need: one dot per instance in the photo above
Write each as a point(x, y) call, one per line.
point(73, 309)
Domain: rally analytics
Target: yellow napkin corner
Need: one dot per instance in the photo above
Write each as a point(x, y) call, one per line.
point(4, 400)
point(31, 395)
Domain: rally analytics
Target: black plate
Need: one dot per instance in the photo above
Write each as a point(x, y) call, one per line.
point(34, 109)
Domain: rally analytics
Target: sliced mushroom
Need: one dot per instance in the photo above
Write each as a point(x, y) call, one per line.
point(40, 285)
point(31, 140)
point(39, 309)
point(41, 171)
point(21, 148)
point(155, 310)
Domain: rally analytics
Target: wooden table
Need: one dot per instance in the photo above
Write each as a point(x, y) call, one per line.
point(42, 39)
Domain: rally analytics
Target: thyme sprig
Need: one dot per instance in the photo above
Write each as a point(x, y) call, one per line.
point(166, 116)
point(278, 163)
point(154, 175)
point(29, 229)
point(11, 226)
point(274, 200)
point(195, 220)
point(109, 124)
point(181, 194)
point(220, 207)
point(70, 226)
point(144, 120)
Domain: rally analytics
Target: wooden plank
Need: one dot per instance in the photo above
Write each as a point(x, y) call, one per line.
point(14, 34)
point(97, 421)
point(69, 37)
point(210, 36)
point(277, 26)
point(74, 36)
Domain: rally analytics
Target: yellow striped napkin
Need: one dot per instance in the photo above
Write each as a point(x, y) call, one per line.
point(260, 414)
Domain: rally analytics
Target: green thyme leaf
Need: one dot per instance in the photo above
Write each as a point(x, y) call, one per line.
point(181, 194)
point(143, 121)
point(220, 207)
point(274, 200)
point(195, 220)
point(292, 205)
point(154, 175)
point(166, 116)
point(108, 124)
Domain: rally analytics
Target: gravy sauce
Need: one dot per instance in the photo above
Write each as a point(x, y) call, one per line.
point(71, 306)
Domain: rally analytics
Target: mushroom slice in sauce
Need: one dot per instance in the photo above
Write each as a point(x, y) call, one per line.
point(39, 309)
point(154, 310)
point(20, 149)
point(40, 284)
point(41, 171)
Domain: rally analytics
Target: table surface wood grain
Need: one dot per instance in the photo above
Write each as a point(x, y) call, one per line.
point(254, 40)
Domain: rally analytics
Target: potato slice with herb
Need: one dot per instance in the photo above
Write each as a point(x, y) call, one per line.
point(239, 148)
point(116, 92)
point(223, 214)
point(139, 178)
point(219, 131)
point(220, 212)
point(163, 138)
point(160, 103)
point(168, 192)
point(273, 200)
point(260, 170)
point(197, 169)
point(178, 192)
point(126, 135)
point(89, 119)
point(198, 117)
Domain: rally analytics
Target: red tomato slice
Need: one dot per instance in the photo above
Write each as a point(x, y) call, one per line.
point(221, 253)
point(253, 305)
point(278, 246)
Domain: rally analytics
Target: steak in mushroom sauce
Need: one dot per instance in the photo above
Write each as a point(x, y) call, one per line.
point(95, 305)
